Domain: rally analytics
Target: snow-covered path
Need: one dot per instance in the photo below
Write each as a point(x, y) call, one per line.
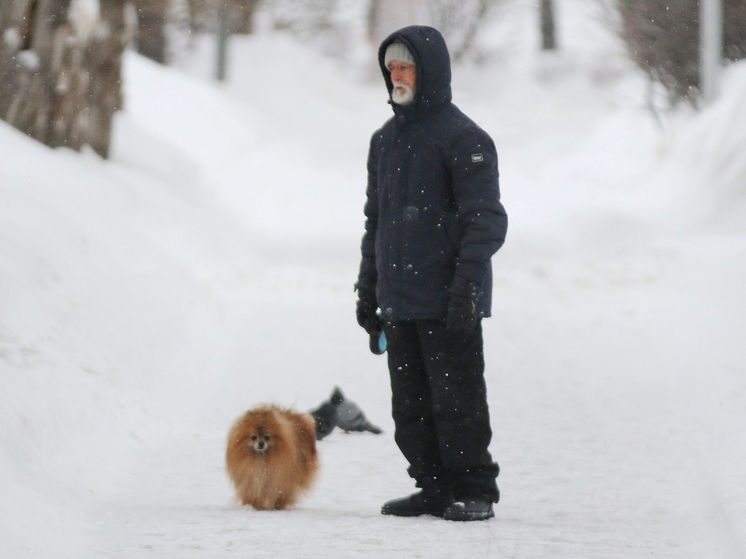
point(149, 300)
point(602, 410)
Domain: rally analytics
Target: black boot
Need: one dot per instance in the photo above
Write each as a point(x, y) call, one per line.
point(469, 509)
point(433, 503)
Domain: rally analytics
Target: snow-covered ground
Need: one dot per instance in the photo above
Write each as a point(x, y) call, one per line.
point(148, 300)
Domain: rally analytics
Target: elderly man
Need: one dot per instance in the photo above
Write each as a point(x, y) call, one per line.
point(433, 221)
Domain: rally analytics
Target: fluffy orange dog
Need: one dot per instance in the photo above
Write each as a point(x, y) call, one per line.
point(271, 456)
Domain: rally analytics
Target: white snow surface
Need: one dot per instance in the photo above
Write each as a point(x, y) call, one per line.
point(148, 300)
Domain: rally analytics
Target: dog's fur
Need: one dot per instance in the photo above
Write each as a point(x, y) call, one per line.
point(271, 456)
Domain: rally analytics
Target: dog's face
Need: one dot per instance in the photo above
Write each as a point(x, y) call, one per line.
point(261, 440)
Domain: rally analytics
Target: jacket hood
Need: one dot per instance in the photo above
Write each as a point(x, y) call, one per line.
point(433, 70)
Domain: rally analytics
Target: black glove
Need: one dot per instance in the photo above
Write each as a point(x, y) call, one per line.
point(461, 314)
point(367, 307)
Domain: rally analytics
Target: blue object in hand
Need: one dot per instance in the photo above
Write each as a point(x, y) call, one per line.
point(378, 342)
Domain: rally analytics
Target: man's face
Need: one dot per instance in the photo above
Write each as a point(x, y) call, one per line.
point(404, 79)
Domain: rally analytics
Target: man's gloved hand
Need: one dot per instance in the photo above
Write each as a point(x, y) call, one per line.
point(462, 313)
point(367, 308)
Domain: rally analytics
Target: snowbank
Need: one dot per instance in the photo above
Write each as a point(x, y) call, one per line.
point(706, 162)
point(104, 311)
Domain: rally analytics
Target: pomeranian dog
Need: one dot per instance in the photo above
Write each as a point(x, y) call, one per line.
point(271, 456)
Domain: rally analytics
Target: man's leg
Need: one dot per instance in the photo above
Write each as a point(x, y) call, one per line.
point(411, 403)
point(415, 434)
point(455, 367)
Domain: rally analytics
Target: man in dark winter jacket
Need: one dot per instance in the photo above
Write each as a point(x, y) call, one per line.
point(433, 221)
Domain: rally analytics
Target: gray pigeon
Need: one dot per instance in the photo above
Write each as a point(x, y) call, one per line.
point(325, 416)
point(350, 417)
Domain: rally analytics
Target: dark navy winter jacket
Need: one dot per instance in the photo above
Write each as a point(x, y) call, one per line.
point(433, 212)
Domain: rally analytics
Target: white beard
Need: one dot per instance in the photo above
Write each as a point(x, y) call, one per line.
point(402, 98)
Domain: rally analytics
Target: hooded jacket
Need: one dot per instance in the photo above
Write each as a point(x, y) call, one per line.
point(433, 212)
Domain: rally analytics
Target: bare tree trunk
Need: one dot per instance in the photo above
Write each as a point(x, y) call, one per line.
point(546, 17)
point(203, 15)
point(61, 80)
point(151, 29)
point(374, 15)
point(104, 60)
point(242, 20)
point(471, 32)
point(710, 47)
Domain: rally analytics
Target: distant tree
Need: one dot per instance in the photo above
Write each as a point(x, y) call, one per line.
point(326, 24)
point(662, 37)
point(155, 17)
point(546, 23)
point(457, 20)
point(152, 16)
point(60, 69)
point(242, 16)
point(305, 18)
point(203, 15)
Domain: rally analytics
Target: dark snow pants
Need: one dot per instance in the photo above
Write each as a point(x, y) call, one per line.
point(439, 406)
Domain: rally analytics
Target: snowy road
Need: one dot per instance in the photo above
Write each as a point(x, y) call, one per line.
point(149, 300)
point(601, 448)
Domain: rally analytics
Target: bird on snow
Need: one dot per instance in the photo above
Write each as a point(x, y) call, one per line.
point(340, 412)
point(325, 416)
point(350, 417)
